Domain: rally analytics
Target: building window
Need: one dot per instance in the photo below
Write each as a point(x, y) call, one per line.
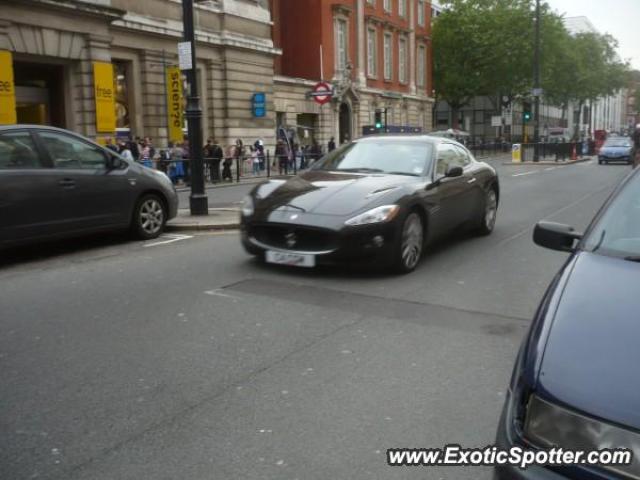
point(387, 5)
point(421, 12)
point(372, 2)
point(402, 60)
point(402, 8)
point(421, 70)
point(341, 44)
point(388, 56)
point(372, 52)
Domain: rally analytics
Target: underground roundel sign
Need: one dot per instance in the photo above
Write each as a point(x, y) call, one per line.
point(322, 93)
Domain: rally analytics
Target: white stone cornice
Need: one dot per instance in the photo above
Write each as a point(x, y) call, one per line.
point(173, 28)
point(295, 81)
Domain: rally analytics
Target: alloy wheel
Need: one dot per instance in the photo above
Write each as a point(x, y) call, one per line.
point(491, 209)
point(151, 216)
point(412, 241)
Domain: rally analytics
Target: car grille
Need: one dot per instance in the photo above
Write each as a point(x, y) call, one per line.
point(294, 237)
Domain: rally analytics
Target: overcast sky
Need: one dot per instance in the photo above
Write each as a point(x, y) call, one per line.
point(620, 18)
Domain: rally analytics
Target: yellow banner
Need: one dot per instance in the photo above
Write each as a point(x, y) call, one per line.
point(174, 104)
point(105, 97)
point(7, 90)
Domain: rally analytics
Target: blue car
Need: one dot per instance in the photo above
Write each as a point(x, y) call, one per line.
point(616, 149)
point(576, 380)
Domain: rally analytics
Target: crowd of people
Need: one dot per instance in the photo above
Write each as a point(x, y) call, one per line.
point(219, 160)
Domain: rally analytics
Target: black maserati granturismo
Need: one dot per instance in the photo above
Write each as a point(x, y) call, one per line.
point(379, 199)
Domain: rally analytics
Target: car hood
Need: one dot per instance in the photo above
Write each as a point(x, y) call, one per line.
point(592, 353)
point(329, 193)
point(617, 149)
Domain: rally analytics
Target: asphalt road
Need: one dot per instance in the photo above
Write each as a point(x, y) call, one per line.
point(184, 358)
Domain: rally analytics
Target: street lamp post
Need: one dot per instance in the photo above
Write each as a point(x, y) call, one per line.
point(198, 202)
point(536, 87)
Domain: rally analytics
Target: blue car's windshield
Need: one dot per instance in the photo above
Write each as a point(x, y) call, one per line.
point(383, 156)
point(618, 142)
point(617, 233)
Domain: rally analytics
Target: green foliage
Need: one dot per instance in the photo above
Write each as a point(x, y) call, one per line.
point(485, 48)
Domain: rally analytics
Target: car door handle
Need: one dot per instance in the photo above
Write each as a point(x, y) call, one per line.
point(473, 180)
point(67, 183)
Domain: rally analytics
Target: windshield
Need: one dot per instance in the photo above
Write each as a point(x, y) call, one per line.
point(384, 156)
point(618, 142)
point(617, 233)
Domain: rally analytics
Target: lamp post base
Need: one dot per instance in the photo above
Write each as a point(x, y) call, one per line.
point(199, 204)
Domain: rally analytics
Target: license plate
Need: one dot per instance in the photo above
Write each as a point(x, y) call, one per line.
point(293, 259)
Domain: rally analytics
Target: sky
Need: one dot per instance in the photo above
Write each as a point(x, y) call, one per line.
point(620, 18)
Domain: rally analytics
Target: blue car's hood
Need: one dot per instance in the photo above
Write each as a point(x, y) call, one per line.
point(615, 150)
point(592, 357)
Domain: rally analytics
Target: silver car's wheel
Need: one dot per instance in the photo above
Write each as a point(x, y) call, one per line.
point(411, 243)
point(149, 217)
point(490, 212)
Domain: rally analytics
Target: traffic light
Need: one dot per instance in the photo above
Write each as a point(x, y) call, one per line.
point(378, 119)
point(526, 112)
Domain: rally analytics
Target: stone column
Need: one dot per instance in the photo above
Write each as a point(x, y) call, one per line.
point(5, 43)
point(154, 97)
point(361, 64)
point(412, 46)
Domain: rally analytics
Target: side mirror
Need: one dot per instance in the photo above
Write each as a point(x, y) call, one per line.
point(555, 236)
point(454, 171)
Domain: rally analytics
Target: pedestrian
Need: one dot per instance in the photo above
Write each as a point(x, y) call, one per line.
point(110, 145)
point(214, 154)
point(332, 145)
point(125, 151)
point(146, 155)
point(255, 161)
point(177, 164)
point(316, 152)
point(636, 146)
point(230, 154)
point(282, 157)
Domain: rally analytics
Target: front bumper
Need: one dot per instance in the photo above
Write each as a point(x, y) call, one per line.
point(373, 244)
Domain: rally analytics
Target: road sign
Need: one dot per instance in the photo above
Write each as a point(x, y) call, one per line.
point(322, 93)
point(184, 56)
point(259, 104)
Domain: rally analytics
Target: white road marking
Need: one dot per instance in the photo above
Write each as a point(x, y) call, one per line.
point(171, 238)
point(218, 293)
point(525, 173)
point(549, 169)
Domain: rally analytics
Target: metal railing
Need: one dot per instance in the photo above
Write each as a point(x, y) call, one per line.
point(217, 170)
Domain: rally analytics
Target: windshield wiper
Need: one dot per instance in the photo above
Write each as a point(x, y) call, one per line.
point(404, 173)
point(602, 235)
point(633, 258)
point(360, 170)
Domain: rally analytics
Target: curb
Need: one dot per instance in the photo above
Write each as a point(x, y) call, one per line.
point(548, 162)
point(236, 184)
point(191, 227)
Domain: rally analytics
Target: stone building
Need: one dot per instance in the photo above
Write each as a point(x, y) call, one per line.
point(376, 54)
point(54, 44)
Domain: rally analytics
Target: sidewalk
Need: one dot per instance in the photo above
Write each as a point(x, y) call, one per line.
point(218, 219)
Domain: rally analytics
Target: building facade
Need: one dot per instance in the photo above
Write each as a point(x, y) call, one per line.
point(376, 54)
point(54, 46)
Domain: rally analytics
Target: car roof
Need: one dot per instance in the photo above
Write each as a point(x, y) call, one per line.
point(409, 137)
point(22, 126)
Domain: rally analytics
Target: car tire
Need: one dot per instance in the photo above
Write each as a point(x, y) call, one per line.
point(489, 212)
point(149, 217)
point(410, 244)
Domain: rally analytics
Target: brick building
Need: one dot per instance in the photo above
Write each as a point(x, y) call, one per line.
point(375, 53)
point(53, 46)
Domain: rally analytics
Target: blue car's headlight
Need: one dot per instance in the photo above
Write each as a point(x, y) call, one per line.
point(548, 425)
point(375, 215)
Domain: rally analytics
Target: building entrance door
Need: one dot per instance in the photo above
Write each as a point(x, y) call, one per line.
point(40, 94)
point(345, 134)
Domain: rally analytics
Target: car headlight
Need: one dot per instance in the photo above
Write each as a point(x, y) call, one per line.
point(375, 215)
point(548, 425)
point(247, 206)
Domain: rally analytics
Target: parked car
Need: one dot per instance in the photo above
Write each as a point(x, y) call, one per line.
point(379, 199)
point(575, 383)
point(55, 183)
point(616, 149)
